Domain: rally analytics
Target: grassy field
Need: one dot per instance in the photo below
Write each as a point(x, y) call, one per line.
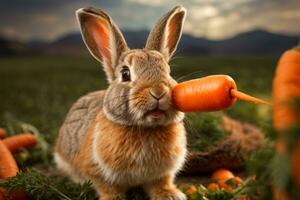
point(40, 89)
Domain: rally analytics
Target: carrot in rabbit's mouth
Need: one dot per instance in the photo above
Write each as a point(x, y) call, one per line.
point(210, 93)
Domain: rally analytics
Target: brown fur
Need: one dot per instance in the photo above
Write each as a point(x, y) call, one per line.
point(118, 151)
point(118, 148)
point(122, 147)
point(174, 32)
point(80, 118)
point(165, 35)
point(99, 43)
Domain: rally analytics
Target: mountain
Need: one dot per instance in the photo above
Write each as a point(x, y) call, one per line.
point(193, 45)
point(256, 42)
point(68, 44)
point(73, 43)
point(248, 43)
point(253, 42)
point(37, 46)
point(10, 47)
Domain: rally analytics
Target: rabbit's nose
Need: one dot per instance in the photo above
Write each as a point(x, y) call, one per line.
point(157, 94)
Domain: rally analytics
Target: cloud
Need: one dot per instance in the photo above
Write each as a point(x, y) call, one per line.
point(214, 19)
point(235, 16)
point(152, 3)
point(204, 12)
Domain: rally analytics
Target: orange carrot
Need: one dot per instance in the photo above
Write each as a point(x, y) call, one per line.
point(213, 187)
point(280, 195)
point(237, 180)
point(286, 87)
point(9, 168)
point(242, 96)
point(8, 165)
point(19, 142)
point(222, 175)
point(191, 190)
point(210, 93)
point(2, 133)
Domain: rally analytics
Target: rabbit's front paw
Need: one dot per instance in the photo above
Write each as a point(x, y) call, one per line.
point(169, 195)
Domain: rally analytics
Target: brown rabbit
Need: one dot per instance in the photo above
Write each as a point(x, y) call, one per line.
point(130, 134)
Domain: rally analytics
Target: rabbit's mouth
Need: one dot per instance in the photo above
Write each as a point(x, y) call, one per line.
point(156, 113)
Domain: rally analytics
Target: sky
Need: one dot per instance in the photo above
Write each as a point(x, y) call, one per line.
point(212, 19)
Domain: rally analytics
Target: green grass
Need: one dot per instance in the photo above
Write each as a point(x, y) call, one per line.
point(40, 89)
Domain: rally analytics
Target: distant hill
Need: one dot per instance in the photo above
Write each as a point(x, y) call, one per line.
point(256, 42)
point(193, 45)
point(37, 46)
point(248, 43)
point(11, 47)
point(73, 44)
point(68, 44)
point(253, 42)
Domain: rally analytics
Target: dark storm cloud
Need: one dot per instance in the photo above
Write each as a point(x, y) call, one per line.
point(47, 19)
point(44, 19)
point(50, 4)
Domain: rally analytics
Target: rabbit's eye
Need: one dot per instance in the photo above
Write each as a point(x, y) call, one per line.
point(125, 74)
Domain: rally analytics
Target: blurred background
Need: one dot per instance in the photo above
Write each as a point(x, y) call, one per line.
point(45, 67)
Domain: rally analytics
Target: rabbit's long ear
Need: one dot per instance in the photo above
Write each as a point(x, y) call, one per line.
point(102, 37)
point(165, 36)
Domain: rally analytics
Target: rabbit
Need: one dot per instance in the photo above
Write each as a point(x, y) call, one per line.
point(129, 134)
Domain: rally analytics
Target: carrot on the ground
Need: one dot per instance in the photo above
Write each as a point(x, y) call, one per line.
point(19, 142)
point(237, 180)
point(222, 175)
point(213, 186)
point(191, 190)
point(211, 93)
point(2, 133)
point(8, 165)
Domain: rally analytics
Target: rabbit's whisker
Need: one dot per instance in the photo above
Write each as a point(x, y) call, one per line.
point(188, 75)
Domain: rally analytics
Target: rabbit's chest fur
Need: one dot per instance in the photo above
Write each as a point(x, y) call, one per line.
point(133, 156)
